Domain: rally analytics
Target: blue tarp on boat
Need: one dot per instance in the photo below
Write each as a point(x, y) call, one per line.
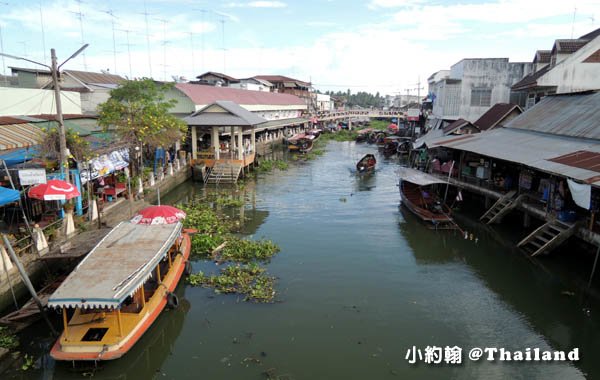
point(8, 196)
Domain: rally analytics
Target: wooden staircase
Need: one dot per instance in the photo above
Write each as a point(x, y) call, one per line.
point(547, 237)
point(224, 172)
point(500, 208)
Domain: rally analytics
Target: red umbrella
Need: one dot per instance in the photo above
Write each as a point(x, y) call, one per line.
point(54, 190)
point(158, 215)
point(392, 127)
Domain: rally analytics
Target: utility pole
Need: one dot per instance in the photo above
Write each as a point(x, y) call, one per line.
point(54, 70)
point(62, 137)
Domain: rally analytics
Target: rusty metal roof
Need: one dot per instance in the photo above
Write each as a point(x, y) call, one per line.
point(117, 266)
point(580, 159)
point(573, 115)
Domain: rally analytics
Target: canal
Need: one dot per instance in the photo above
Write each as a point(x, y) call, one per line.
point(360, 283)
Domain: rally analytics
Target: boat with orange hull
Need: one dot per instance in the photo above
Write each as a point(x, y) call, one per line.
point(417, 195)
point(116, 293)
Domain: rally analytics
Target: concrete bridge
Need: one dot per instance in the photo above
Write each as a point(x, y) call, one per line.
point(362, 113)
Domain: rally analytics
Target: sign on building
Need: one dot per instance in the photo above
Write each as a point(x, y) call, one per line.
point(412, 114)
point(32, 176)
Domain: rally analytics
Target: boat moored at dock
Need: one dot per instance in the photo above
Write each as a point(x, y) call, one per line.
point(301, 142)
point(418, 196)
point(115, 294)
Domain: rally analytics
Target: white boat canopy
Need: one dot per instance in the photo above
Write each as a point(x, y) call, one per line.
point(418, 177)
point(117, 266)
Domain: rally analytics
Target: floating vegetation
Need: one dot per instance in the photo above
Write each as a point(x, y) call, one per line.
point(245, 251)
point(8, 340)
point(249, 280)
point(229, 202)
point(268, 166)
point(343, 135)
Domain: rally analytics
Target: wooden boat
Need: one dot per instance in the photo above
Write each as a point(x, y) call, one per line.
point(390, 145)
point(363, 134)
point(301, 142)
point(417, 195)
point(115, 294)
point(315, 132)
point(366, 164)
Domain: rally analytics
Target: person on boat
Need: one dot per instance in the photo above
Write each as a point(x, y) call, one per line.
point(370, 162)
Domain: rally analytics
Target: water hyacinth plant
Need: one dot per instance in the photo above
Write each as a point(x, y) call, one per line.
point(249, 279)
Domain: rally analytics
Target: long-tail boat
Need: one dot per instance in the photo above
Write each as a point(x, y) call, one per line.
point(301, 142)
point(115, 294)
point(417, 195)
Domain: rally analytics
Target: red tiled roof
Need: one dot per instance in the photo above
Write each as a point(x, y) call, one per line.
point(202, 95)
point(495, 115)
point(280, 78)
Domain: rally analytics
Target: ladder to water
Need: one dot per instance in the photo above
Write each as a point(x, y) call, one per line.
point(547, 237)
point(501, 208)
point(225, 172)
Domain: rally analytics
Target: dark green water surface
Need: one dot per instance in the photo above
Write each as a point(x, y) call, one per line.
point(361, 282)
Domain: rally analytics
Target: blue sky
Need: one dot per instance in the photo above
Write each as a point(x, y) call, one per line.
point(374, 45)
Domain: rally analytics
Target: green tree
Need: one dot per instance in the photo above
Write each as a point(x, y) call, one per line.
point(138, 113)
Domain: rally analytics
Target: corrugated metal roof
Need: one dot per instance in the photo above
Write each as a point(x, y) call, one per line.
point(495, 115)
point(117, 266)
point(275, 124)
point(529, 148)
point(95, 78)
point(418, 177)
point(223, 113)
point(203, 95)
point(530, 80)
point(580, 159)
point(20, 135)
point(576, 115)
point(281, 78)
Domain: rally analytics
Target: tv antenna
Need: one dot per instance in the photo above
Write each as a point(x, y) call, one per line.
point(146, 14)
point(164, 44)
point(192, 50)
point(80, 17)
point(127, 31)
point(43, 31)
point(112, 21)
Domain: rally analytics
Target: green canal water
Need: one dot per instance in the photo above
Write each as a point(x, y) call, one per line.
point(361, 282)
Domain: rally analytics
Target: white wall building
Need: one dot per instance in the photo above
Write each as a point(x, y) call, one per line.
point(28, 101)
point(324, 102)
point(472, 85)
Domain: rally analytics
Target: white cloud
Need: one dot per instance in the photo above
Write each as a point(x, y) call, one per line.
point(257, 4)
point(374, 4)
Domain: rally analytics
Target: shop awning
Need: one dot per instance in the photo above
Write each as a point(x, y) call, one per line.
point(418, 177)
point(19, 136)
point(8, 196)
point(117, 267)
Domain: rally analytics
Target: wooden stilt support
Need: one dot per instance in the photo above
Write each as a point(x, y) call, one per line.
point(158, 274)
